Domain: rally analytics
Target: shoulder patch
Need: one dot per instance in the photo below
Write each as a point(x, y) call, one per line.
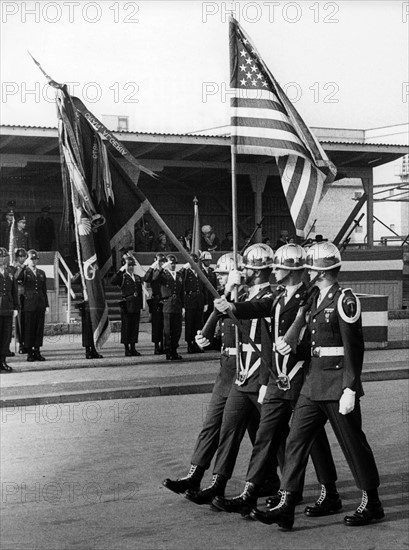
point(349, 306)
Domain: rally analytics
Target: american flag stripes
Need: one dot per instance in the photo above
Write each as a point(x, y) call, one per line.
point(264, 122)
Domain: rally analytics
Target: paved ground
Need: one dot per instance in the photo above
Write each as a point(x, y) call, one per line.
point(88, 476)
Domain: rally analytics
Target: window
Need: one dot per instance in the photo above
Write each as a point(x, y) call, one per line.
point(123, 123)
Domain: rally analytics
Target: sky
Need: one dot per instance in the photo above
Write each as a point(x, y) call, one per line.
point(165, 64)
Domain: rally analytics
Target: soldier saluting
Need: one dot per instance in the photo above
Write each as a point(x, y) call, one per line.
point(33, 281)
point(331, 391)
point(8, 308)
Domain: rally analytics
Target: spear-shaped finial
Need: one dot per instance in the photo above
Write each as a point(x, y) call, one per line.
point(50, 80)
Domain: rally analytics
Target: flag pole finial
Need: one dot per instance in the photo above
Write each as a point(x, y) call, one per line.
point(195, 201)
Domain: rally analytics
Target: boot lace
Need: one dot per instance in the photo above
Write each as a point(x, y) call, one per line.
point(322, 496)
point(364, 502)
point(192, 470)
point(246, 489)
point(282, 501)
point(214, 480)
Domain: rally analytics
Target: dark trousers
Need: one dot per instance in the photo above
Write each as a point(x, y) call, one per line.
point(130, 327)
point(193, 323)
point(271, 435)
point(240, 407)
point(157, 325)
point(6, 323)
point(172, 328)
point(34, 330)
point(309, 418)
point(20, 325)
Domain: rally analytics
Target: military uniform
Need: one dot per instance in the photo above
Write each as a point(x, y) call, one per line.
point(194, 297)
point(44, 232)
point(8, 304)
point(156, 310)
point(337, 349)
point(131, 288)
point(35, 304)
point(20, 322)
point(171, 289)
point(211, 275)
point(242, 400)
point(283, 388)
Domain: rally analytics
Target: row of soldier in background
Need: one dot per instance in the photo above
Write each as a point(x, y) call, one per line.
point(44, 230)
point(173, 293)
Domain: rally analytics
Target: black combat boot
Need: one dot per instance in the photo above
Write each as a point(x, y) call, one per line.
point(205, 496)
point(127, 350)
point(31, 355)
point(329, 502)
point(158, 348)
point(38, 355)
point(282, 514)
point(191, 481)
point(368, 511)
point(242, 504)
point(4, 367)
point(134, 351)
point(271, 502)
point(270, 486)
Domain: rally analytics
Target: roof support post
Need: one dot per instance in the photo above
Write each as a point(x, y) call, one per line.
point(367, 183)
point(258, 183)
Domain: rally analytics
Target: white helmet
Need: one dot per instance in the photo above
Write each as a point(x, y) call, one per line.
point(323, 256)
point(226, 263)
point(258, 256)
point(290, 256)
point(205, 255)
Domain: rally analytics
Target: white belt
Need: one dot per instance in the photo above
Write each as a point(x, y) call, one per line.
point(327, 352)
point(243, 347)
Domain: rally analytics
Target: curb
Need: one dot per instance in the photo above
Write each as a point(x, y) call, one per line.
point(167, 390)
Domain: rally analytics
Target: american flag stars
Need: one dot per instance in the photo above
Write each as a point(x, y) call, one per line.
point(250, 74)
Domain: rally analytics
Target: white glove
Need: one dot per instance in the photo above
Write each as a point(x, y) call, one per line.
point(282, 347)
point(347, 401)
point(15, 313)
point(222, 305)
point(123, 268)
point(261, 394)
point(233, 279)
point(200, 340)
point(47, 309)
point(155, 265)
point(166, 265)
point(205, 308)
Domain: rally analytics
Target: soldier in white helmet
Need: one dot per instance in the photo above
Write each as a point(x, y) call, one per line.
point(243, 400)
point(331, 391)
point(208, 439)
point(283, 388)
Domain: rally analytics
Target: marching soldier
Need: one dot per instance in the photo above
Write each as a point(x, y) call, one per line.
point(33, 281)
point(131, 305)
point(155, 304)
point(283, 388)
point(331, 391)
point(194, 297)
point(208, 439)
point(8, 308)
point(245, 394)
point(171, 289)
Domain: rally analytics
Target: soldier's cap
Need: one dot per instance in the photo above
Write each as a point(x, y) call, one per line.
point(46, 209)
point(21, 218)
point(10, 212)
point(32, 254)
point(171, 258)
point(20, 253)
point(3, 252)
point(160, 257)
point(194, 257)
point(130, 261)
point(11, 204)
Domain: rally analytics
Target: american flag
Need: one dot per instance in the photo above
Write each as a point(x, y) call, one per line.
point(264, 122)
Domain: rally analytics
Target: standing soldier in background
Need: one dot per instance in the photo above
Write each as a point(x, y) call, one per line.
point(44, 230)
point(20, 257)
point(155, 304)
point(171, 290)
point(194, 297)
point(131, 305)
point(8, 308)
point(331, 391)
point(21, 237)
point(34, 284)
